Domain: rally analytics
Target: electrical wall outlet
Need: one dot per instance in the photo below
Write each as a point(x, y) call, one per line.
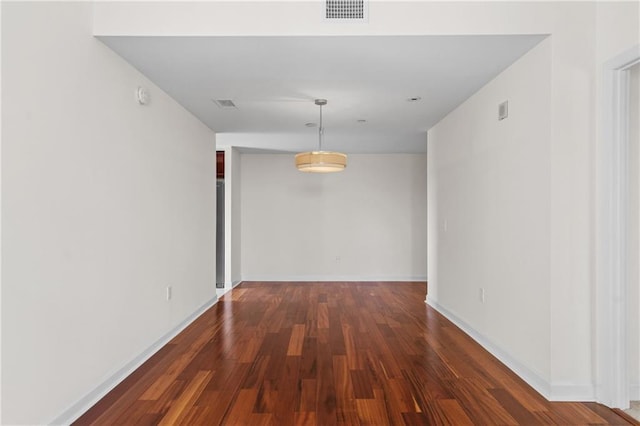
point(169, 291)
point(482, 295)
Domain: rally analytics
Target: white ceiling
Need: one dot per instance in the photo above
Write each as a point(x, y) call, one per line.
point(274, 80)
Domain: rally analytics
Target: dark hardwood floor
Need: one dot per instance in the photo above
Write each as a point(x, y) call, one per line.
point(329, 353)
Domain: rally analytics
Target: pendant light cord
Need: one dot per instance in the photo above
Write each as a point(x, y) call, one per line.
point(320, 161)
point(320, 131)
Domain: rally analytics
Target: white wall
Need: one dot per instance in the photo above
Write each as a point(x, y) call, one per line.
point(232, 229)
point(0, 217)
point(634, 232)
point(617, 31)
point(372, 217)
point(228, 184)
point(105, 203)
point(236, 218)
point(489, 211)
point(583, 36)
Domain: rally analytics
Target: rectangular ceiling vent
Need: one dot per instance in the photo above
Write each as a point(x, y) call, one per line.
point(224, 103)
point(346, 10)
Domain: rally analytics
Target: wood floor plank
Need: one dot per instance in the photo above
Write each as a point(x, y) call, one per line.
point(372, 411)
point(513, 407)
point(344, 353)
point(181, 406)
point(454, 413)
point(196, 416)
point(308, 392)
point(261, 419)
point(580, 412)
point(323, 315)
point(288, 387)
point(180, 363)
point(256, 372)
point(130, 388)
point(362, 388)
point(351, 350)
point(326, 390)
point(265, 399)
point(399, 391)
point(305, 418)
point(217, 404)
point(242, 407)
point(415, 419)
point(479, 403)
point(296, 341)
point(346, 411)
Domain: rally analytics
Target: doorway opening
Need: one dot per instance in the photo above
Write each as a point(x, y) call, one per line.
point(220, 220)
point(618, 236)
point(633, 290)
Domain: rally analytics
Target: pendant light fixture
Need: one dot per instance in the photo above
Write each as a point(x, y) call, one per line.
point(321, 161)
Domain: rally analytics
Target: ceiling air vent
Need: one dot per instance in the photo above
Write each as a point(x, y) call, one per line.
point(224, 103)
point(346, 10)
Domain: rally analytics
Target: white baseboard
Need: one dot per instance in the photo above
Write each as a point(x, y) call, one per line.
point(534, 380)
point(572, 392)
point(81, 406)
point(222, 291)
point(339, 278)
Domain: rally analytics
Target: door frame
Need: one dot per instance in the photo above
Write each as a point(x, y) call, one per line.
point(613, 185)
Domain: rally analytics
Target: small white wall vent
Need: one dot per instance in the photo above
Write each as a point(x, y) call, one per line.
point(503, 110)
point(346, 10)
point(224, 103)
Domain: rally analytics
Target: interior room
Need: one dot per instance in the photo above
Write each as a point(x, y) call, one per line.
point(199, 194)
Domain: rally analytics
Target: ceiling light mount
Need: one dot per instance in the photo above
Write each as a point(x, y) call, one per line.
point(321, 161)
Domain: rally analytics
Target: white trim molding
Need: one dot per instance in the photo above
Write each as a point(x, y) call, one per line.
point(72, 413)
point(572, 392)
point(222, 291)
point(330, 278)
point(227, 288)
point(612, 182)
